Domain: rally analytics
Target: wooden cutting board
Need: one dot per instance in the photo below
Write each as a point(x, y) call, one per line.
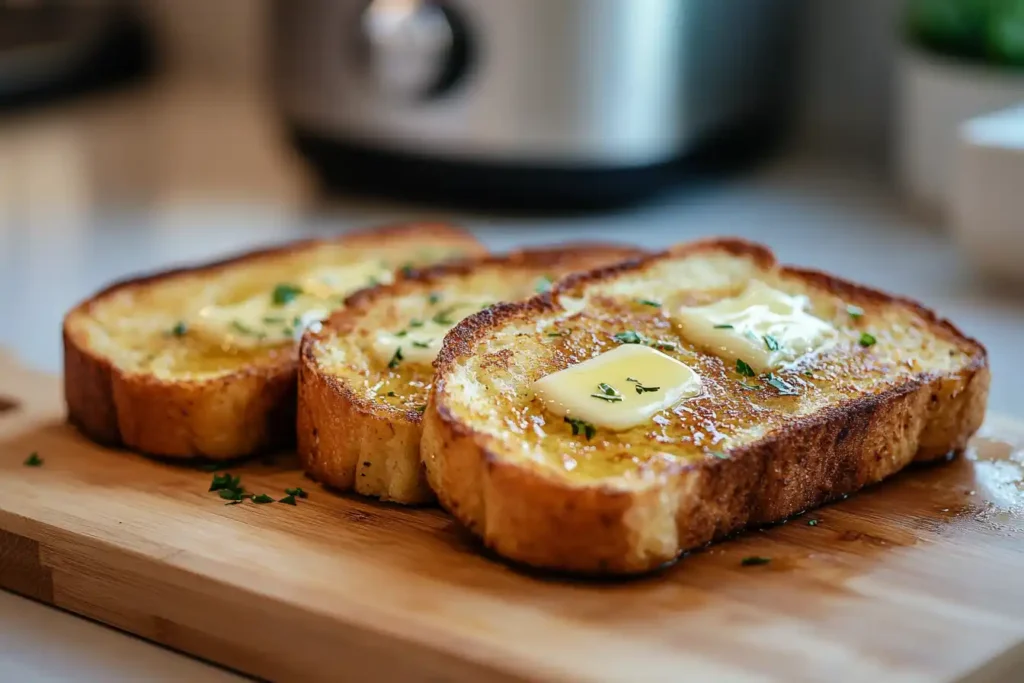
point(918, 579)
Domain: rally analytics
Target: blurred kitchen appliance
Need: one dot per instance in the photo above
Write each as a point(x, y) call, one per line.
point(51, 48)
point(527, 102)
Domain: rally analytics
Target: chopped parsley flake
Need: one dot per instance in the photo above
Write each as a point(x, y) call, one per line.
point(179, 329)
point(719, 454)
point(664, 345)
point(754, 561)
point(434, 298)
point(608, 393)
point(285, 293)
point(629, 337)
point(744, 369)
point(391, 393)
point(771, 342)
point(812, 522)
point(241, 328)
point(226, 482)
point(401, 333)
point(288, 500)
point(262, 499)
point(297, 491)
point(33, 460)
point(543, 284)
point(781, 386)
point(866, 339)
point(648, 302)
point(854, 311)
point(421, 408)
point(407, 270)
point(581, 427)
point(273, 320)
point(640, 388)
point(724, 327)
point(750, 387)
point(444, 317)
point(421, 345)
point(415, 323)
point(395, 359)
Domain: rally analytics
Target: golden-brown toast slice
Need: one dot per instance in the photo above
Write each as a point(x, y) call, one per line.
point(365, 375)
point(890, 383)
point(202, 361)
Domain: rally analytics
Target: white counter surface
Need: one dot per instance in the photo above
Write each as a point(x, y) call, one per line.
point(141, 181)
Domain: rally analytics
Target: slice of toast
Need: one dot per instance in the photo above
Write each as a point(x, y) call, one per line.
point(202, 361)
point(365, 375)
point(891, 383)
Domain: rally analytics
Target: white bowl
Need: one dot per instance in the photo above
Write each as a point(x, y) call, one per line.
point(987, 197)
point(935, 96)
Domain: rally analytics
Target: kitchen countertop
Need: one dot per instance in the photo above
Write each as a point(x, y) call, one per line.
point(174, 173)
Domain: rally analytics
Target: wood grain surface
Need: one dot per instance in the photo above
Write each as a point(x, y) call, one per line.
point(918, 579)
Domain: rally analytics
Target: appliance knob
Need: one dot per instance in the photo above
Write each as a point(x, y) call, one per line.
point(416, 49)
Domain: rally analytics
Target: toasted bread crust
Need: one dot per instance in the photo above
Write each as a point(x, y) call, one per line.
point(351, 443)
point(531, 517)
point(242, 413)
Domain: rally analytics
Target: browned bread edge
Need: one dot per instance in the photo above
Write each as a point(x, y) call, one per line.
point(340, 434)
point(186, 419)
point(538, 520)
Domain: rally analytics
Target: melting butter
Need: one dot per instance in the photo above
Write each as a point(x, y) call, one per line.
point(261, 320)
point(763, 326)
point(619, 389)
point(421, 339)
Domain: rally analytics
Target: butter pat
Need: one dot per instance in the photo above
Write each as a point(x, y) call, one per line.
point(619, 389)
point(260, 320)
point(421, 339)
point(762, 326)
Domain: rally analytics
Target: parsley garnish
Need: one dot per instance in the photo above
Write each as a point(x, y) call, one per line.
point(444, 317)
point(391, 393)
point(580, 426)
point(812, 522)
point(648, 302)
point(407, 270)
point(226, 482)
point(434, 297)
point(420, 408)
point(415, 323)
point(665, 345)
point(754, 561)
point(543, 284)
point(750, 387)
point(33, 460)
point(724, 327)
point(421, 345)
point(854, 311)
point(241, 328)
point(866, 339)
point(640, 388)
point(233, 494)
point(629, 337)
point(262, 499)
point(781, 386)
point(608, 393)
point(288, 500)
point(395, 359)
point(557, 334)
point(284, 293)
point(179, 329)
point(744, 369)
point(297, 491)
point(274, 320)
point(719, 454)
point(771, 342)
point(401, 333)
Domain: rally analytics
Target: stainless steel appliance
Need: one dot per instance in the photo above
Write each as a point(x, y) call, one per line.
point(530, 100)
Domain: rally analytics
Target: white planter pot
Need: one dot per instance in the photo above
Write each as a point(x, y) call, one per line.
point(935, 95)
